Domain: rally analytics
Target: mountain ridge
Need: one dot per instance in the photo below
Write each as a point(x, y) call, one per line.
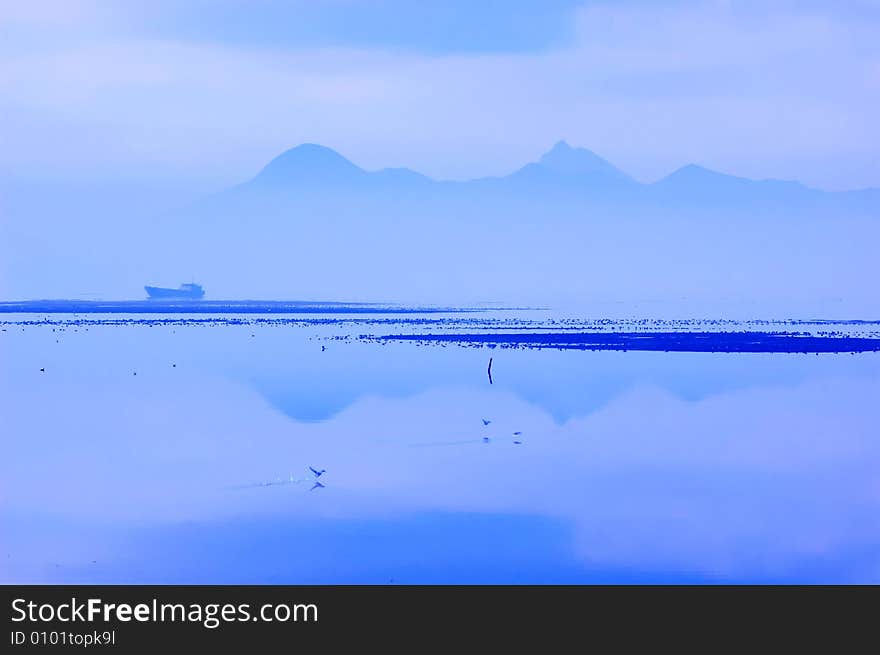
point(315, 164)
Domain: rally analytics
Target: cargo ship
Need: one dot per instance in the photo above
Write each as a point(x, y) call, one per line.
point(191, 291)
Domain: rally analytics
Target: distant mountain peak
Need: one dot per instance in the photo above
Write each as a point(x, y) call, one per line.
point(562, 158)
point(693, 173)
point(560, 146)
point(694, 169)
point(310, 162)
point(696, 174)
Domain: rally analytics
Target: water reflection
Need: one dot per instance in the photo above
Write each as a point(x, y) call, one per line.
point(569, 467)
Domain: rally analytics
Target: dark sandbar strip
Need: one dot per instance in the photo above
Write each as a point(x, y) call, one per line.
point(725, 342)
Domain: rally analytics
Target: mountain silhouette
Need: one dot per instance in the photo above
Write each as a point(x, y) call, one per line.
point(308, 162)
point(698, 182)
point(313, 164)
point(562, 159)
point(569, 225)
point(563, 171)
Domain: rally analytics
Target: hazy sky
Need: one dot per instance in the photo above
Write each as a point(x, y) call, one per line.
point(204, 93)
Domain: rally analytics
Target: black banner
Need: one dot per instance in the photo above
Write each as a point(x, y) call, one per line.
point(147, 618)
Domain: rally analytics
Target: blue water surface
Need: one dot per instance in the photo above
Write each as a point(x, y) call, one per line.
point(179, 451)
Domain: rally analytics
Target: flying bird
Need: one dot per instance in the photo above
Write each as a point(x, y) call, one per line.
point(317, 485)
point(486, 422)
point(318, 474)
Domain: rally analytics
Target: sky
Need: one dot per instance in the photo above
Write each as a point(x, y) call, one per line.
point(200, 95)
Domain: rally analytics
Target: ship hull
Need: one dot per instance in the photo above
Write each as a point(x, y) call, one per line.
point(179, 294)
